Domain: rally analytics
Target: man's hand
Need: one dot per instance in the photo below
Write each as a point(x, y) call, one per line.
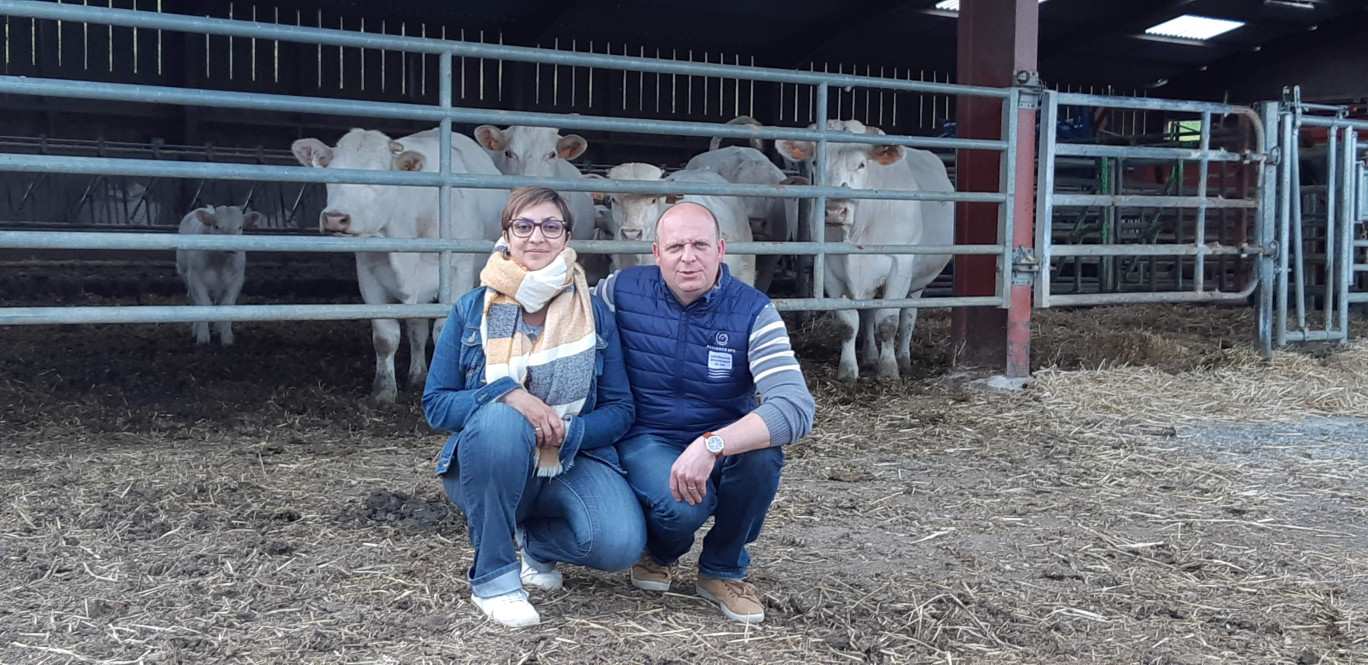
point(689, 475)
point(548, 426)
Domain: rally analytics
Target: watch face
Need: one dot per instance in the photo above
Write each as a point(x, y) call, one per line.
point(714, 444)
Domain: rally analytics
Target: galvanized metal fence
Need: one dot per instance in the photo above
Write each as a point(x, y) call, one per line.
point(1142, 232)
point(1322, 226)
point(444, 113)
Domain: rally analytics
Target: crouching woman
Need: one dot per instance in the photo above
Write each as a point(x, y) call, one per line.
point(528, 373)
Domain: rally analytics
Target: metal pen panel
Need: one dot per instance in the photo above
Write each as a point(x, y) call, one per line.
point(340, 38)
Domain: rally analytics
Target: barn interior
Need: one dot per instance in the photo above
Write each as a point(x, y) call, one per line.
point(1109, 47)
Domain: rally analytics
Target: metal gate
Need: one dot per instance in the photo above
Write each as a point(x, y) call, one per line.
point(1322, 222)
point(1199, 234)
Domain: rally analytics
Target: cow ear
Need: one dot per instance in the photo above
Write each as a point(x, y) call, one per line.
point(312, 152)
point(599, 197)
point(796, 150)
point(885, 154)
point(795, 180)
point(204, 216)
point(251, 219)
point(409, 160)
point(571, 147)
point(491, 137)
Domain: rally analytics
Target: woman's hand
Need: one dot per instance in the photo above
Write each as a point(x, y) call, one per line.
point(548, 426)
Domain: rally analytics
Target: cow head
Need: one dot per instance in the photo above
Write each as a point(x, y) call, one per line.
point(633, 216)
point(225, 220)
point(356, 210)
point(529, 151)
point(847, 165)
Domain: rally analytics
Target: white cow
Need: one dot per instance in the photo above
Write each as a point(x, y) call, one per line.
point(214, 277)
point(889, 167)
point(770, 218)
point(541, 152)
point(633, 216)
point(404, 212)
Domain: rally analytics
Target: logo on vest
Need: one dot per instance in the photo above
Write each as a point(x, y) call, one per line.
point(721, 339)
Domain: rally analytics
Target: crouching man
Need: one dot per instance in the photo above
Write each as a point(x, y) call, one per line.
point(698, 344)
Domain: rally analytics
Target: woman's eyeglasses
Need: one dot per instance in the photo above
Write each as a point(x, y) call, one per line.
point(551, 228)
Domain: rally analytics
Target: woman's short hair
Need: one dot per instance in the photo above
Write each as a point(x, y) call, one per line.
point(525, 197)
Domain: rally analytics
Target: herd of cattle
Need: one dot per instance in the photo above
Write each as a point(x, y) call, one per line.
point(358, 210)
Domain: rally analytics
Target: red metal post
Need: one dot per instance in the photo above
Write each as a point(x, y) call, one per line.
point(997, 39)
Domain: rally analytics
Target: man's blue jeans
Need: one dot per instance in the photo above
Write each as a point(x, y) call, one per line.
point(739, 494)
point(586, 516)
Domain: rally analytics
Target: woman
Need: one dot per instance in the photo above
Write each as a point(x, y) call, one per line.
point(528, 373)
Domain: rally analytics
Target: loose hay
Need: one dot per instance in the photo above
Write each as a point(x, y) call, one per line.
point(211, 506)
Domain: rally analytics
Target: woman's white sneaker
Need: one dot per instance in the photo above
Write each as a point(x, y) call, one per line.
point(510, 609)
point(548, 581)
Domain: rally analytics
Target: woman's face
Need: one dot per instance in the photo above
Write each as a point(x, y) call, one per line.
point(535, 250)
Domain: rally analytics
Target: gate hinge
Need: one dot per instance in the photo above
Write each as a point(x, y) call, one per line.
point(1025, 266)
point(1031, 89)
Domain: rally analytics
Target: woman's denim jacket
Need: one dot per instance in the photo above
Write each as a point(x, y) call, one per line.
point(456, 386)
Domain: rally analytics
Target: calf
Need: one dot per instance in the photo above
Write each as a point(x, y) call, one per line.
point(214, 277)
point(633, 216)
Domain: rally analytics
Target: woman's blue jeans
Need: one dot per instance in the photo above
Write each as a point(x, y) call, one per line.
point(586, 516)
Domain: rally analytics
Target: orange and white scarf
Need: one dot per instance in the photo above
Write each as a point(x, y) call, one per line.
point(558, 367)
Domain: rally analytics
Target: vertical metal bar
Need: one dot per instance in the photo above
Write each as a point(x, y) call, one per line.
point(1044, 219)
point(1203, 172)
point(1264, 235)
point(444, 230)
point(1347, 213)
point(819, 203)
point(1331, 238)
point(1011, 109)
point(1288, 153)
point(1298, 239)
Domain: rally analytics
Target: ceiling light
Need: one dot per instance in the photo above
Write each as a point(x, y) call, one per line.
point(1189, 26)
point(952, 5)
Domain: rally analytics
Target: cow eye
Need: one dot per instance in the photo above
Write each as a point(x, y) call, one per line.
point(551, 155)
point(862, 165)
point(509, 154)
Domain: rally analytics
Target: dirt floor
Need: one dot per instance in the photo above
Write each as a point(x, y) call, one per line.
point(1157, 495)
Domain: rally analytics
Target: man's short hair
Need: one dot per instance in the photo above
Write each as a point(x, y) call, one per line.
point(717, 227)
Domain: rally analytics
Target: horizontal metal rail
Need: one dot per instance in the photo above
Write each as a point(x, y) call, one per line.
point(304, 243)
point(1136, 298)
point(1154, 250)
point(1320, 121)
point(126, 92)
point(1145, 103)
point(1147, 152)
point(190, 313)
point(159, 169)
point(1148, 201)
point(329, 37)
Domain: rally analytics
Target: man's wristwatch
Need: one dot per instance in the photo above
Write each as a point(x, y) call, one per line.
point(714, 443)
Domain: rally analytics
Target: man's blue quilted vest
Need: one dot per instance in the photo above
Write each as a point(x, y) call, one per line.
point(688, 365)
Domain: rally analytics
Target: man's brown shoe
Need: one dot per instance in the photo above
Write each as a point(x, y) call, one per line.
point(651, 576)
point(737, 598)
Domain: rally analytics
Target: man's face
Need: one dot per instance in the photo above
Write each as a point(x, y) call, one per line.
point(688, 251)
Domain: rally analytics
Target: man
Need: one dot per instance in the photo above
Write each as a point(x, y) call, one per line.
point(698, 345)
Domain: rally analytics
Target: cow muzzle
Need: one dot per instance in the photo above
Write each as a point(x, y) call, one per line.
point(330, 221)
point(630, 234)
